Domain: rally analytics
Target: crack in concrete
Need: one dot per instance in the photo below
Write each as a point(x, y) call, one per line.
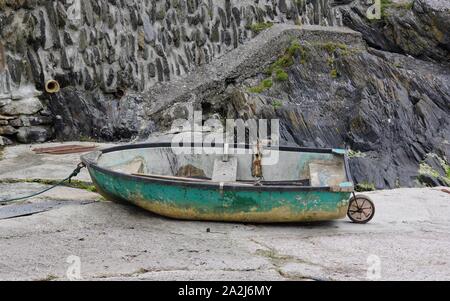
point(143, 271)
point(278, 260)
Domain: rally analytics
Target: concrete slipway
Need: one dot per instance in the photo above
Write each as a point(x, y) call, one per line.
point(408, 238)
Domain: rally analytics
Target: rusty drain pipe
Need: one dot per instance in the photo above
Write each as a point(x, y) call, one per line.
point(52, 86)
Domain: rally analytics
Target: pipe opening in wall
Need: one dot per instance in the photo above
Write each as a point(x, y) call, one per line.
point(119, 93)
point(52, 86)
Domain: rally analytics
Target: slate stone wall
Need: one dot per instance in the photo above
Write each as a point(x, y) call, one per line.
point(117, 46)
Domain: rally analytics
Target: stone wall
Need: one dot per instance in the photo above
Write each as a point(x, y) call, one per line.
point(108, 48)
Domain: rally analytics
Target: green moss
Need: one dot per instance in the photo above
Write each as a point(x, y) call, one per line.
point(388, 4)
point(330, 61)
point(267, 83)
point(334, 73)
point(331, 47)
point(294, 48)
point(160, 15)
point(355, 154)
point(365, 186)
point(385, 4)
point(258, 27)
point(277, 104)
point(427, 170)
point(298, 22)
point(277, 70)
point(303, 55)
point(261, 87)
point(446, 167)
point(285, 61)
point(281, 75)
point(82, 185)
point(73, 184)
point(255, 89)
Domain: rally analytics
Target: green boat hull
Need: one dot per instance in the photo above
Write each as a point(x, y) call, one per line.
point(192, 201)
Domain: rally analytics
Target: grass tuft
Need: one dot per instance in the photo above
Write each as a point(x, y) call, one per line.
point(276, 104)
point(73, 184)
point(261, 26)
point(364, 187)
point(281, 75)
point(262, 86)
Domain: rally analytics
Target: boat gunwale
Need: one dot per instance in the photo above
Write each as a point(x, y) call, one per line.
point(230, 186)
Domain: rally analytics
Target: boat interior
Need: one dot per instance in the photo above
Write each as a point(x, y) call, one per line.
point(229, 165)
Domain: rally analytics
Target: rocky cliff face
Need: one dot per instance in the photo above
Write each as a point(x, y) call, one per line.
point(419, 28)
point(129, 68)
point(391, 111)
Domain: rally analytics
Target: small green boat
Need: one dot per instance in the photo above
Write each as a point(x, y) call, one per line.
point(230, 182)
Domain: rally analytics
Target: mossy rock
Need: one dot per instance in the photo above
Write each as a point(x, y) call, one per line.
point(281, 75)
point(364, 187)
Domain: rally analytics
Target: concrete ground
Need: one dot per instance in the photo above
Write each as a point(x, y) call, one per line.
point(68, 230)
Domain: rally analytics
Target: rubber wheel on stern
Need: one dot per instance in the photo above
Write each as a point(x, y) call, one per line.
point(361, 209)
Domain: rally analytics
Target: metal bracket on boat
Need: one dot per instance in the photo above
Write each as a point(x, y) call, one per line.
point(257, 162)
point(221, 184)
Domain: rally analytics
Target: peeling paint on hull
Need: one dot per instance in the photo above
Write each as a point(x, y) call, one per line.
point(276, 215)
point(205, 203)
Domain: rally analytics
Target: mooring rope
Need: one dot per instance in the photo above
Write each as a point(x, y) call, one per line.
point(75, 173)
